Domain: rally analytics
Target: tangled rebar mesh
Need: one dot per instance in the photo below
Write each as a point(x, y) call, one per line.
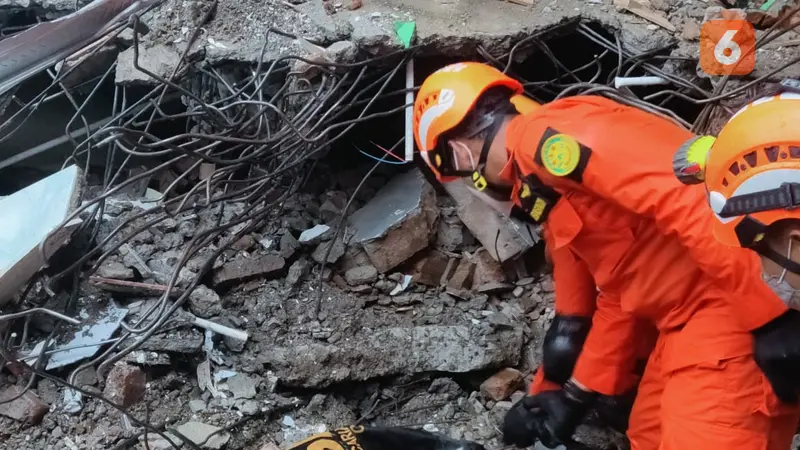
point(260, 129)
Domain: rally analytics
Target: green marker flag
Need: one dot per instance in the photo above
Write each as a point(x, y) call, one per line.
point(766, 6)
point(405, 32)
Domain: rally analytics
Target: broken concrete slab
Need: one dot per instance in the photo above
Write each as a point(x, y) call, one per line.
point(487, 270)
point(30, 217)
point(495, 287)
point(244, 269)
point(288, 245)
point(160, 60)
point(314, 234)
point(485, 223)
point(156, 442)
point(398, 222)
point(337, 249)
point(366, 274)
point(236, 33)
point(394, 351)
point(462, 277)
point(241, 385)
point(298, 271)
point(27, 408)
point(204, 435)
point(36, 48)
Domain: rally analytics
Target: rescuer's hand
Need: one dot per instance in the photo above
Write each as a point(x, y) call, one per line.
point(521, 424)
point(614, 411)
point(777, 353)
point(565, 409)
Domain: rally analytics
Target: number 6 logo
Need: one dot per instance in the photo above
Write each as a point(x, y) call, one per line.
point(727, 47)
point(727, 51)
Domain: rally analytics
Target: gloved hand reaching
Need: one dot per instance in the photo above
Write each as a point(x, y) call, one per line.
point(522, 424)
point(564, 409)
point(551, 417)
point(777, 353)
point(614, 411)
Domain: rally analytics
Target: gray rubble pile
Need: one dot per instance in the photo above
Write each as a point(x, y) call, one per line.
point(418, 325)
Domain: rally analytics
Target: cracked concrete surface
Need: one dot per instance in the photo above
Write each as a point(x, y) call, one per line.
point(457, 27)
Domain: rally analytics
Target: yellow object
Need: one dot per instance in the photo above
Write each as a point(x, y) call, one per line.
point(523, 104)
point(479, 181)
point(698, 152)
point(560, 154)
point(538, 209)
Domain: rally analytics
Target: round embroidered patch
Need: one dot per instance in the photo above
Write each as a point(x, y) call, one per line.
point(561, 154)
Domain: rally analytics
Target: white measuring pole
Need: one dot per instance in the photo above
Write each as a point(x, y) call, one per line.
point(410, 110)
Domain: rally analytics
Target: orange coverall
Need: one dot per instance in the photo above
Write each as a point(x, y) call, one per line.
point(646, 240)
point(576, 295)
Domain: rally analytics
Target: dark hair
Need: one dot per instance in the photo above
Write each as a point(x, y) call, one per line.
point(495, 101)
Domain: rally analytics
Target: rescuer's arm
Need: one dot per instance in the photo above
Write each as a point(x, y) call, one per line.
point(607, 360)
point(642, 186)
point(575, 298)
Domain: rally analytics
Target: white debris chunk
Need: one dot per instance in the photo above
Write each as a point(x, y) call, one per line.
point(29, 227)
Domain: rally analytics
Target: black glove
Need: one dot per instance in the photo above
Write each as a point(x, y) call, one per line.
point(614, 411)
point(562, 345)
point(522, 424)
point(777, 352)
point(565, 409)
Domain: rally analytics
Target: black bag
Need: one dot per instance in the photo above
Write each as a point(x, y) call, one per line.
point(357, 437)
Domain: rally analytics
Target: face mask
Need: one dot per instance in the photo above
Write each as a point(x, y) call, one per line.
point(463, 149)
point(781, 288)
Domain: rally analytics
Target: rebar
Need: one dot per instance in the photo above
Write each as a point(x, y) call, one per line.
point(261, 127)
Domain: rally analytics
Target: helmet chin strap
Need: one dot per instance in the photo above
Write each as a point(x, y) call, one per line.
point(784, 261)
point(478, 178)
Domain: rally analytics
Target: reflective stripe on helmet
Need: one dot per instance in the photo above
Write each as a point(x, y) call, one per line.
point(446, 99)
point(783, 96)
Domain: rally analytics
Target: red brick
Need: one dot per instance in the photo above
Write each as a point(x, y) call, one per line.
point(125, 385)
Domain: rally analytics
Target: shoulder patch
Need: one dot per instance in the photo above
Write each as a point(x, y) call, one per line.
point(562, 155)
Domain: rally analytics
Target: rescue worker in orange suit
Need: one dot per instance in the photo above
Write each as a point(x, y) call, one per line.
point(597, 174)
point(751, 173)
point(576, 302)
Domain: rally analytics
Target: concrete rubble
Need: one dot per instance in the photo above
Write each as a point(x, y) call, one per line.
point(456, 349)
point(32, 235)
point(431, 306)
point(398, 222)
point(125, 384)
point(25, 407)
point(501, 385)
point(444, 307)
point(505, 238)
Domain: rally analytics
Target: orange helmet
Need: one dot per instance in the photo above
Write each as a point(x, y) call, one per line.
point(443, 101)
point(752, 169)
